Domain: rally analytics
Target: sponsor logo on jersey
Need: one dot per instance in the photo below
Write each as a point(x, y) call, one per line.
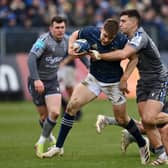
point(39, 44)
point(52, 60)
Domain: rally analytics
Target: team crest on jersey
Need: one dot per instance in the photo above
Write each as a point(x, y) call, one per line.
point(94, 46)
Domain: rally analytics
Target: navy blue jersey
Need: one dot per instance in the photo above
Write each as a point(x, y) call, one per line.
point(103, 71)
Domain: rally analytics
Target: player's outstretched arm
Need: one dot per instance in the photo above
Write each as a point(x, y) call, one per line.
point(121, 54)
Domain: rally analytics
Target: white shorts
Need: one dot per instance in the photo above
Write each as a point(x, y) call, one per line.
point(111, 90)
point(66, 76)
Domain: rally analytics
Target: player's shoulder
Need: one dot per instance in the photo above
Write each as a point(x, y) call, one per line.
point(121, 39)
point(41, 41)
point(44, 36)
point(90, 29)
point(140, 33)
point(140, 39)
point(121, 36)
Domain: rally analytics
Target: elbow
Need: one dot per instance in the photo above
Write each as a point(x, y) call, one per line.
point(28, 61)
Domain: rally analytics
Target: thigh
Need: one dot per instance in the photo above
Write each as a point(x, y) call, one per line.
point(52, 96)
point(114, 94)
point(92, 84)
point(82, 95)
point(141, 106)
point(151, 96)
point(151, 109)
point(118, 100)
point(53, 103)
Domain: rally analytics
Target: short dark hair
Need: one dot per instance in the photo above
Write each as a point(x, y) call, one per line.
point(111, 26)
point(132, 13)
point(59, 19)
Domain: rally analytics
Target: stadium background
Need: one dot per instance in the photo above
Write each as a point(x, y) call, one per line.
point(22, 21)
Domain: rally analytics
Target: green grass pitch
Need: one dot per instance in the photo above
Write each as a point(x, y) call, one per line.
point(84, 148)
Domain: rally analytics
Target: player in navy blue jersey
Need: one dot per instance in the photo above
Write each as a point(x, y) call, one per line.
point(104, 77)
point(153, 83)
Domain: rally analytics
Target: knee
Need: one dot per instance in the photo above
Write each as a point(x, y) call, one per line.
point(54, 114)
point(121, 121)
point(73, 106)
point(43, 116)
point(149, 120)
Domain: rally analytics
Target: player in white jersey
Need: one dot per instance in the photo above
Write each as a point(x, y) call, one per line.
point(153, 82)
point(43, 62)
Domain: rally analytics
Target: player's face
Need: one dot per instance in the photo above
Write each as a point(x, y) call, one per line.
point(58, 30)
point(127, 24)
point(104, 38)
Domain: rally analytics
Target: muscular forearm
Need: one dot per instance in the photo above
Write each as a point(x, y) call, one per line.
point(113, 56)
point(130, 67)
point(120, 54)
point(72, 39)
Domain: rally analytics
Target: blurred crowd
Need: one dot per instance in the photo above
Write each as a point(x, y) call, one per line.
point(37, 13)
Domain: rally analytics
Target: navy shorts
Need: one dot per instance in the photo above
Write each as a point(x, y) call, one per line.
point(155, 90)
point(51, 87)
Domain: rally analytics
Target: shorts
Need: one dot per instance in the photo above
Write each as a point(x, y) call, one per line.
point(111, 90)
point(66, 76)
point(156, 90)
point(51, 87)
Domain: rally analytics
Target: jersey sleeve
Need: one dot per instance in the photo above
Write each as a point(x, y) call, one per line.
point(138, 42)
point(38, 47)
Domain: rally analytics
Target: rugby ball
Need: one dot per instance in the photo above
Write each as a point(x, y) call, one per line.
point(81, 45)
